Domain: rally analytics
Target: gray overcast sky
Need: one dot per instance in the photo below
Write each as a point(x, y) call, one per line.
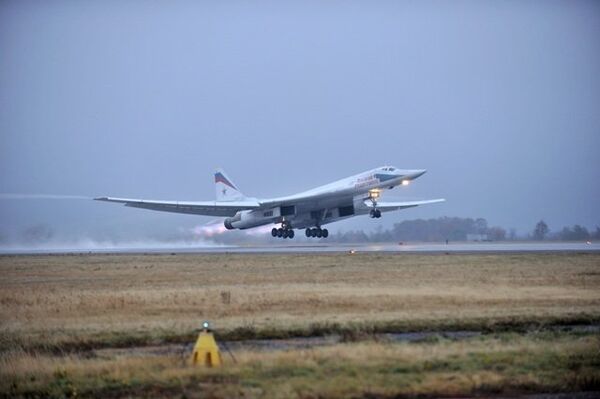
point(499, 100)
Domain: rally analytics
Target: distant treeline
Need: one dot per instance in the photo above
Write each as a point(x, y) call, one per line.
point(462, 229)
point(575, 233)
point(431, 230)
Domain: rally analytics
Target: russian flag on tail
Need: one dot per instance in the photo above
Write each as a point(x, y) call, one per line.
point(225, 189)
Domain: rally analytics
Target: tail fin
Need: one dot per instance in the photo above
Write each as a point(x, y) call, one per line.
point(225, 189)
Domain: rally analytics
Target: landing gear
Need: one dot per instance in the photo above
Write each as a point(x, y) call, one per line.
point(285, 232)
point(317, 232)
point(373, 196)
point(375, 213)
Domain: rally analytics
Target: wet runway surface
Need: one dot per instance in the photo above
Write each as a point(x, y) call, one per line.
point(433, 248)
point(424, 248)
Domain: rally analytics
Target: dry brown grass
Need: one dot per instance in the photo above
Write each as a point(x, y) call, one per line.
point(56, 296)
point(482, 365)
point(56, 300)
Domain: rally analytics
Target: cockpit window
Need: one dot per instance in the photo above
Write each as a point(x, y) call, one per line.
point(392, 169)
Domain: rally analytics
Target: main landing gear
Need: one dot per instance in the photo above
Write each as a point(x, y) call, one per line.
point(283, 233)
point(317, 232)
point(375, 213)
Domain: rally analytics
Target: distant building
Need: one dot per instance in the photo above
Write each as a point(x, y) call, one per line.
point(477, 237)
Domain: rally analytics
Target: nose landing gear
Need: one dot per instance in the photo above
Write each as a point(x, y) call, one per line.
point(373, 196)
point(375, 213)
point(317, 232)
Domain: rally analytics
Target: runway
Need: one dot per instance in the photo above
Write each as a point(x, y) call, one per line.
point(433, 248)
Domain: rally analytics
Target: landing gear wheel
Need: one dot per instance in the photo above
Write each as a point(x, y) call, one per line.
point(325, 233)
point(285, 231)
point(319, 233)
point(377, 213)
point(308, 232)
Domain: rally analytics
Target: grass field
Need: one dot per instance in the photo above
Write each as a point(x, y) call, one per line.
point(56, 310)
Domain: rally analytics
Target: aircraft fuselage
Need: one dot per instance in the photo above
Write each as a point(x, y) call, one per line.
point(326, 204)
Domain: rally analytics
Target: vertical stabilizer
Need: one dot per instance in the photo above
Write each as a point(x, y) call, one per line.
point(225, 189)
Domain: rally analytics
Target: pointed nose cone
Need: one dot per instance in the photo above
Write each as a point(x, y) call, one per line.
point(416, 173)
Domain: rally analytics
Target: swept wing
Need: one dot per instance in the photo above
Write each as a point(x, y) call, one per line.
point(208, 208)
point(392, 206)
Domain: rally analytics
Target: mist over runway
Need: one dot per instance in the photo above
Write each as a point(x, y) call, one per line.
point(422, 248)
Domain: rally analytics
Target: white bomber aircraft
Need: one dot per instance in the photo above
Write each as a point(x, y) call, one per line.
point(342, 199)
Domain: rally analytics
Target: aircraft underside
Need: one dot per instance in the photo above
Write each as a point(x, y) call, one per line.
point(310, 219)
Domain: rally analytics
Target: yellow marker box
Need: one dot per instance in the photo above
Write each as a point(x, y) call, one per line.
point(206, 351)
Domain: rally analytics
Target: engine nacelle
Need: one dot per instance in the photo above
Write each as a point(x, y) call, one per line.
point(248, 219)
point(229, 222)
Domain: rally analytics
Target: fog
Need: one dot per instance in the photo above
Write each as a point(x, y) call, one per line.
point(499, 101)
